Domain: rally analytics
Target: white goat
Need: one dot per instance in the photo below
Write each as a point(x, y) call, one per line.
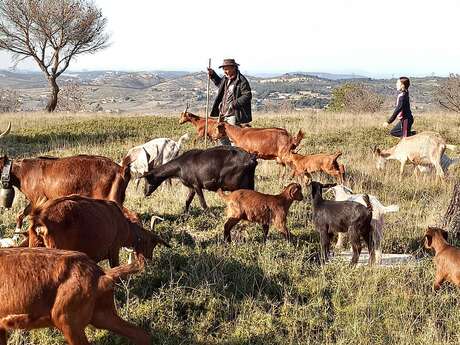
point(424, 149)
point(153, 153)
point(343, 193)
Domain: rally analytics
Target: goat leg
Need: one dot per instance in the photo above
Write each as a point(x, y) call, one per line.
point(265, 228)
point(355, 245)
point(438, 280)
point(112, 322)
point(74, 335)
point(199, 192)
point(324, 239)
point(188, 201)
point(285, 231)
point(2, 336)
point(114, 259)
point(229, 224)
point(341, 241)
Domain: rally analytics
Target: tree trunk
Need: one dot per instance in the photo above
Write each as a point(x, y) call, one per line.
point(451, 220)
point(53, 98)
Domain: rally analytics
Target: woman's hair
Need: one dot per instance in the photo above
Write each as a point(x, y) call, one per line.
point(405, 82)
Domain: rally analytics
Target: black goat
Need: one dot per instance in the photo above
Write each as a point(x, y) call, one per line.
point(222, 167)
point(330, 217)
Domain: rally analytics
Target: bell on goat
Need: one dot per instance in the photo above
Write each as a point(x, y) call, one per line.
point(6, 197)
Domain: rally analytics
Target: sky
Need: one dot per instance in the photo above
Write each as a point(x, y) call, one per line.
point(375, 38)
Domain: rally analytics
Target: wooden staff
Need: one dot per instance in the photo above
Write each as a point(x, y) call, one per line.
point(207, 109)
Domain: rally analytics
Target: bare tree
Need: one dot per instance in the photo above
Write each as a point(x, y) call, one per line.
point(52, 32)
point(451, 220)
point(448, 93)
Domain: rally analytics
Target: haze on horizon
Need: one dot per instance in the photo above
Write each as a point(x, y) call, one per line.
point(391, 38)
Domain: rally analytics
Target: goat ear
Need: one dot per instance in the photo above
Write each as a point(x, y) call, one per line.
point(143, 159)
point(347, 189)
point(428, 240)
point(445, 234)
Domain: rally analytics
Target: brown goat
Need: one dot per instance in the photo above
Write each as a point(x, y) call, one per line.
point(62, 289)
point(306, 165)
point(266, 143)
point(98, 228)
point(245, 204)
point(92, 176)
point(199, 123)
point(446, 259)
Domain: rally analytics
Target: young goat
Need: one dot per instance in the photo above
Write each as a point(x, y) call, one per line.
point(260, 208)
point(330, 217)
point(305, 165)
point(67, 290)
point(343, 193)
point(225, 167)
point(199, 123)
point(446, 259)
point(98, 228)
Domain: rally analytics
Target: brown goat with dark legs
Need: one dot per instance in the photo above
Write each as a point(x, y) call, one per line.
point(265, 209)
point(98, 228)
point(306, 165)
point(62, 289)
point(266, 143)
point(92, 176)
point(446, 259)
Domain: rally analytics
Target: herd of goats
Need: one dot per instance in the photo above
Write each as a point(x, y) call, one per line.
point(77, 219)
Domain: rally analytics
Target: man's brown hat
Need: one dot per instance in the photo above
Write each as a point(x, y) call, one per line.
point(229, 62)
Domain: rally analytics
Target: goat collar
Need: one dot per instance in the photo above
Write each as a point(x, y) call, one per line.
point(6, 174)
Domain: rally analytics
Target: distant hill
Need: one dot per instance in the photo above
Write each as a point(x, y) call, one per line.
point(166, 91)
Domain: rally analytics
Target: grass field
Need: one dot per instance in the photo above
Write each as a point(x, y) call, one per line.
point(205, 292)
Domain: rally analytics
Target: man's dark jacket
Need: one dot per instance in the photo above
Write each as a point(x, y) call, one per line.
point(242, 96)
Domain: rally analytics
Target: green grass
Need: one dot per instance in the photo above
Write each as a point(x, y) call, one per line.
point(205, 292)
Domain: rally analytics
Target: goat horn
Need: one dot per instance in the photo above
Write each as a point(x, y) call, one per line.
point(186, 108)
point(7, 130)
point(153, 221)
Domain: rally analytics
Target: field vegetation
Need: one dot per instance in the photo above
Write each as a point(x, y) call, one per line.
point(203, 291)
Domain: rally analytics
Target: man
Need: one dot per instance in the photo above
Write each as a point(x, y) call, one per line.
point(233, 101)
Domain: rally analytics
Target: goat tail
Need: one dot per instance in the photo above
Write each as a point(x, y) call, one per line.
point(297, 139)
point(124, 271)
point(391, 208)
point(37, 208)
point(337, 155)
point(451, 147)
point(368, 202)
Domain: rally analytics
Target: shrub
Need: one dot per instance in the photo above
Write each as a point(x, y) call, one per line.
point(448, 93)
point(9, 100)
point(355, 98)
